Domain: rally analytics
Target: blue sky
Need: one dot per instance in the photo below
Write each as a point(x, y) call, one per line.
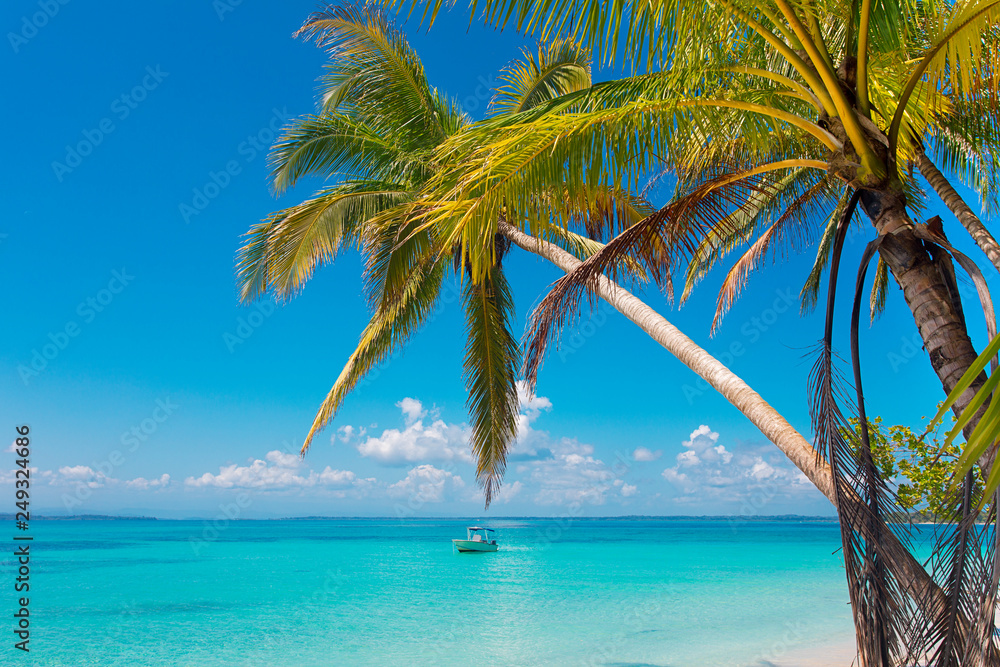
point(136, 158)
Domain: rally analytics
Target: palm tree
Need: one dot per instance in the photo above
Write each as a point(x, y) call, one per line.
point(779, 117)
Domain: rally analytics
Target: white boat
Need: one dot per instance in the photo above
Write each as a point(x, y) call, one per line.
point(478, 539)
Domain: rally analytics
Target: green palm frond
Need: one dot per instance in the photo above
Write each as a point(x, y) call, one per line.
point(561, 67)
point(967, 144)
point(492, 361)
point(389, 328)
point(880, 289)
point(283, 251)
point(337, 144)
point(794, 228)
point(957, 56)
point(810, 290)
point(375, 73)
point(761, 208)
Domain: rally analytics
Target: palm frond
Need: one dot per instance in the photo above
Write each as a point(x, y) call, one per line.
point(880, 289)
point(561, 67)
point(335, 143)
point(389, 328)
point(283, 251)
point(658, 242)
point(375, 73)
point(793, 229)
point(492, 359)
point(955, 55)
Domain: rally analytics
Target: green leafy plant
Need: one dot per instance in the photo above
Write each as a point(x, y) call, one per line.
point(922, 465)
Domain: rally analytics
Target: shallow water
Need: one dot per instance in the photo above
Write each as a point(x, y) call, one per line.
point(389, 592)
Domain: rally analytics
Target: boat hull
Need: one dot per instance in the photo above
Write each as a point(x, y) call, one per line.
point(465, 546)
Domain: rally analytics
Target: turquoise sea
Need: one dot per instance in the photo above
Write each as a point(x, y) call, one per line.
point(616, 592)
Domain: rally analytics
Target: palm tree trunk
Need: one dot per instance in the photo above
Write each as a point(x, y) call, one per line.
point(770, 422)
point(923, 274)
point(960, 209)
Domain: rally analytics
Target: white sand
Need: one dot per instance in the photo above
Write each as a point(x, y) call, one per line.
point(843, 654)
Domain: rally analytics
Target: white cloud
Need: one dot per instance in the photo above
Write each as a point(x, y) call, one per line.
point(348, 433)
point(425, 438)
point(93, 479)
point(278, 470)
point(85, 476)
point(143, 484)
point(549, 472)
point(706, 470)
point(572, 475)
point(530, 444)
point(509, 491)
point(427, 484)
point(412, 409)
point(418, 443)
point(332, 477)
point(645, 454)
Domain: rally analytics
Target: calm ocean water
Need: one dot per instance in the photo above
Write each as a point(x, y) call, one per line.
point(384, 592)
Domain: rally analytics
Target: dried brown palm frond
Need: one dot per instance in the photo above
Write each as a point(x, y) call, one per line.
point(886, 619)
point(794, 228)
point(660, 242)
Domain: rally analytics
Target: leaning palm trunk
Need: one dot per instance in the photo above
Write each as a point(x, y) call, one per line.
point(959, 208)
point(775, 427)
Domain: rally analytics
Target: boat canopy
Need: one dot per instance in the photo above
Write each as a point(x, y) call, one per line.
point(490, 530)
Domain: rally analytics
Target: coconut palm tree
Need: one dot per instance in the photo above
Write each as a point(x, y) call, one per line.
point(779, 117)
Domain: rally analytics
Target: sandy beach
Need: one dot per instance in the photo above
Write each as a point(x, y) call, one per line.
point(840, 654)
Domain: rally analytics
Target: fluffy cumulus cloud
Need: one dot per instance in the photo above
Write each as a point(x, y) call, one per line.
point(427, 484)
point(418, 442)
point(425, 438)
point(707, 470)
point(278, 471)
point(645, 454)
point(348, 433)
